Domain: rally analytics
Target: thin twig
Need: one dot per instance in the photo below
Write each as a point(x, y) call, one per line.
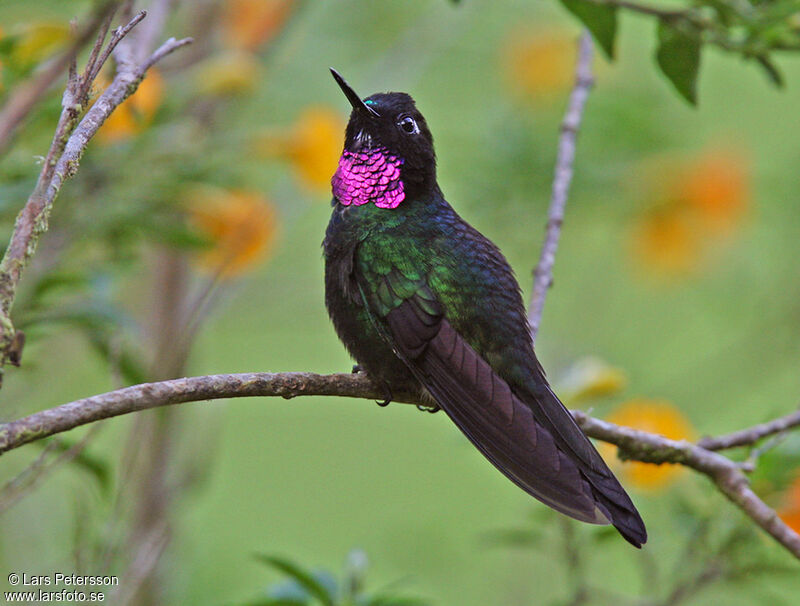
point(28, 95)
point(633, 444)
point(750, 463)
point(16, 486)
point(543, 274)
point(170, 46)
point(69, 143)
point(726, 475)
point(751, 434)
point(575, 566)
point(98, 46)
point(147, 557)
point(36, 472)
point(158, 11)
point(93, 68)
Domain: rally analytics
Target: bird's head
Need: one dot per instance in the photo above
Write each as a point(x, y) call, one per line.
point(388, 151)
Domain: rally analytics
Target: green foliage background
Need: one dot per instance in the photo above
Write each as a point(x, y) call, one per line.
point(312, 478)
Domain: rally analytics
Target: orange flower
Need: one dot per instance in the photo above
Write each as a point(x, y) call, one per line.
point(790, 512)
point(696, 202)
point(240, 226)
point(136, 112)
point(312, 145)
point(654, 416)
point(539, 65)
point(716, 186)
point(248, 24)
point(666, 240)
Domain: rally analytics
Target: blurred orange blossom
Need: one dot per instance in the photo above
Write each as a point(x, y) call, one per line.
point(312, 145)
point(248, 24)
point(136, 112)
point(654, 416)
point(790, 512)
point(666, 240)
point(717, 187)
point(694, 203)
point(239, 225)
point(539, 64)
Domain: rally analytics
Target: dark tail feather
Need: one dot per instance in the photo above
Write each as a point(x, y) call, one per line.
point(606, 489)
point(527, 434)
point(622, 513)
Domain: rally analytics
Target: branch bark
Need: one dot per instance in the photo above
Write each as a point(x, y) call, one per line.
point(69, 142)
point(633, 444)
point(751, 435)
point(27, 95)
point(726, 474)
point(543, 274)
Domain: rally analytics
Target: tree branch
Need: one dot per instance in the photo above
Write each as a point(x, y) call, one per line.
point(70, 141)
point(749, 436)
point(726, 475)
point(633, 444)
point(27, 95)
point(543, 274)
point(151, 395)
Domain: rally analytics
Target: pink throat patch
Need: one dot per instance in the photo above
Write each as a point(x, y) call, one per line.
point(371, 176)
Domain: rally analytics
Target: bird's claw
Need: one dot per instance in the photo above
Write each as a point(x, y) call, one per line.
point(433, 408)
point(387, 399)
point(357, 369)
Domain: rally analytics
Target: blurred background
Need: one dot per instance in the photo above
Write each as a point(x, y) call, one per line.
point(189, 243)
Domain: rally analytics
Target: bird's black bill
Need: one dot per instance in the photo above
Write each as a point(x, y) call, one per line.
point(351, 95)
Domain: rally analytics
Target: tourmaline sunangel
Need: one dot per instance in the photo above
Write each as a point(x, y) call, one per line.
point(428, 305)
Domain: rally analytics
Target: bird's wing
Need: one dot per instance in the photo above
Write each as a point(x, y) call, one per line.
point(505, 429)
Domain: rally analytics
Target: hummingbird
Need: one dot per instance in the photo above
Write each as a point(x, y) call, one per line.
point(426, 304)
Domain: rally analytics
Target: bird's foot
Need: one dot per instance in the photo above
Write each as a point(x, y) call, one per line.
point(387, 398)
point(357, 369)
point(433, 408)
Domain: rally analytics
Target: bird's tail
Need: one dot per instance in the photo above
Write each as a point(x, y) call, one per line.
point(611, 498)
point(526, 432)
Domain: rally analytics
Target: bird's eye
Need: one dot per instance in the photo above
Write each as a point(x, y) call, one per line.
point(408, 124)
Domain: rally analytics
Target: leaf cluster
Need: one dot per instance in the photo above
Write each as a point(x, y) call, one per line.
point(755, 30)
point(304, 587)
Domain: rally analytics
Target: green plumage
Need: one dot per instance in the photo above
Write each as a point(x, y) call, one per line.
point(427, 304)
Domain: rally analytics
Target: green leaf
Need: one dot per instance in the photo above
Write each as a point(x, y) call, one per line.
point(303, 578)
point(600, 19)
point(59, 283)
point(127, 362)
point(93, 465)
point(678, 56)
point(771, 70)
